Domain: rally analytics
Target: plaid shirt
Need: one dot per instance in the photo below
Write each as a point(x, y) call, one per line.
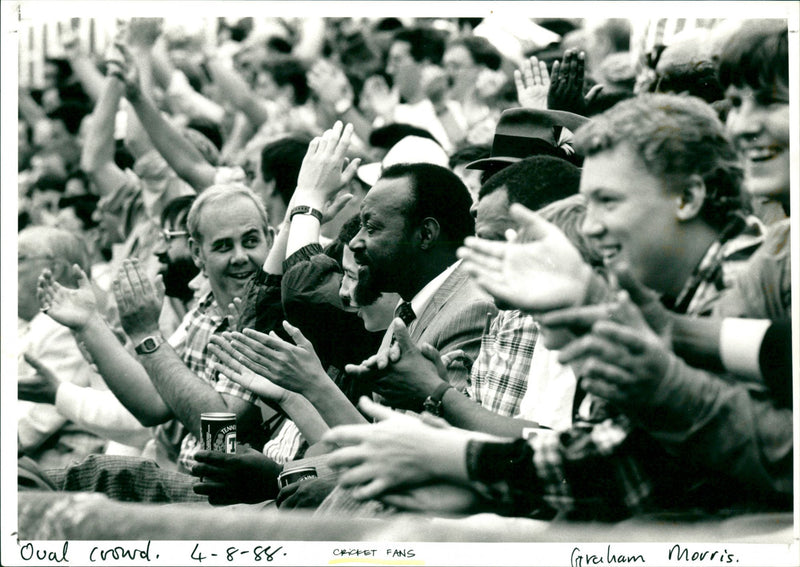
point(190, 341)
point(499, 375)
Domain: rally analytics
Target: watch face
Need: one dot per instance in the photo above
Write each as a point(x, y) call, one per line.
point(149, 344)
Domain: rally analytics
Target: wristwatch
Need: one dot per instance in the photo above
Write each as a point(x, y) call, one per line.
point(433, 403)
point(149, 344)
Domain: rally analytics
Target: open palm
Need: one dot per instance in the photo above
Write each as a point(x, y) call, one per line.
point(72, 308)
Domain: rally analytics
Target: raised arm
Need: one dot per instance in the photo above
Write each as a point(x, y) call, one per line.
point(238, 91)
point(179, 153)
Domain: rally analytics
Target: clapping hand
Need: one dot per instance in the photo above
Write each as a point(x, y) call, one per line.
point(234, 370)
point(139, 301)
point(72, 308)
point(621, 359)
point(542, 273)
point(43, 390)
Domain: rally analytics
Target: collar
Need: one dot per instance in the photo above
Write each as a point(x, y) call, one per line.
point(420, 301)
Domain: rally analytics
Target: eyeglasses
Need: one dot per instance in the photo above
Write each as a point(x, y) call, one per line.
point(168, 235)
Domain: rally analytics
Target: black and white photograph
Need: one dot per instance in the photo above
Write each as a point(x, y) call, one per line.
point(400, 283)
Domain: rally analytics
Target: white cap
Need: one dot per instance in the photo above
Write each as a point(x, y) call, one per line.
point(411, 149)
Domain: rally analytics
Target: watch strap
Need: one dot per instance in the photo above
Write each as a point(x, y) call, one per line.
point(433, 403)
point(306, 210)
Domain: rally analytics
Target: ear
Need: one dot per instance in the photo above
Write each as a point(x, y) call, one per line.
point(196, 250)
point(429, 232)
point(692, 198)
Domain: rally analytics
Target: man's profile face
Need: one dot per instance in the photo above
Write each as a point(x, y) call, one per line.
point(491, 216)
point(630, 215)
point(177, 266)
point(234, 246)
point(382, 244)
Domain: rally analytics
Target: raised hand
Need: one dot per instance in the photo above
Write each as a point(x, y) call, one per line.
point(43, 390)
point(533, 83)
point(398, 452)
point(234, 370)
point(139, 301)
point(228, 478)
point(566, 84)
point(143, 32)
point(321, 174)
point(73, 308)
point(120, 64)
point(543, 273)
point(295, 367)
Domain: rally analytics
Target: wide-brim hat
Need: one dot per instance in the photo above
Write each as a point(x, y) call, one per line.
point(411, 149)
point(521, 132)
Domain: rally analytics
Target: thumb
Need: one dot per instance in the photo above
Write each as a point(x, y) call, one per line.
point(593, 93)
point(80, 276)
point(298, 337)
point(532, 225)
point(350, 170)
point(159, 285)
point(40, 368)
point(401, 335)
point(375, 410)
point(430, 352)
point(638, 293)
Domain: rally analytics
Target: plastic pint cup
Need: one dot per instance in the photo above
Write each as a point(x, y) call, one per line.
point(296, 475)
point(218, 430)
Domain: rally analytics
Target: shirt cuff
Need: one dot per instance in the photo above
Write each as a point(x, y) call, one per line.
point(740, 345)
point(305, 253)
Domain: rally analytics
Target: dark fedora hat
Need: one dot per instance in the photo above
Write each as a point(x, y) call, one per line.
point(525, 132)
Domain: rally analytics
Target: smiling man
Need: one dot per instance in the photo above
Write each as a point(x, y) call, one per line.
point(229, 241)
point(412, 221)
point(663, 189)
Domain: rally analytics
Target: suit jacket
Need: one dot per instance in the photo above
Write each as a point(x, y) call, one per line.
point(454, 318)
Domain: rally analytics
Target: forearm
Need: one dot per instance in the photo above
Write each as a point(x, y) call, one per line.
point(89, 76)
point(332, 405)
point(240, 93)
point(462, 412)
point(305, 417)
point(101, 413)
point(185, 393)
point(30, 111)
point(125, 377)
point(98, 145)
point(277, 254)
point(179, 153)
point(722, 425)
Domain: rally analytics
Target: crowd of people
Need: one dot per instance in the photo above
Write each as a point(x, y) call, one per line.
point(452, 278)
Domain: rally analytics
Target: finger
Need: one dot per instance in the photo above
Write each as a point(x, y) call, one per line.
point(343, 142)
point(626, 336)
point(350, 171)
point(531, 70)
point(297, 336)
point(339, 203)
point(609, 373)
point(518, 83)
point(121, 296)
point(226, 358)
point(490, 248)
point(375, 488)
point(376, 410)
point(80, 276)
point(593, 93)
point(589, 346)
point(37, 365)
point(401, 336)
point(543, 74)
point(347, 457)
point(534, 226)
point(482, 267)
point(600, 388)
point(433, 421)
point(575, 317)
point(260, 341)
point(158, 286)
point(344, 435)
point(555, 72)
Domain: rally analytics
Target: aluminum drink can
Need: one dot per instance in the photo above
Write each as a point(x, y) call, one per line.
point(218, 430)
point(295, 475)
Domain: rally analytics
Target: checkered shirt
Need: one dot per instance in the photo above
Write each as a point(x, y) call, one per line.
point(499, 376)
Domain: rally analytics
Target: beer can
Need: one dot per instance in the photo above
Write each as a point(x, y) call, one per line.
point(218, 430)
point(295, 475)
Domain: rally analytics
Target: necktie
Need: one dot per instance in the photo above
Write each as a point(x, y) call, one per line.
point(405, 312)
